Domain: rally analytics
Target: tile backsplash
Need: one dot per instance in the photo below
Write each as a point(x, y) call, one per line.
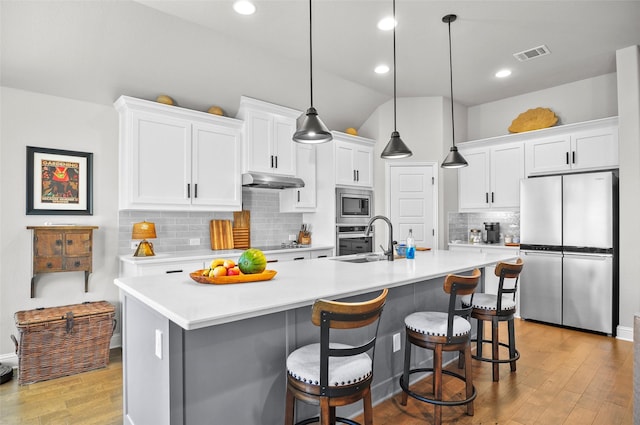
point(175, 228)
point(461, 223)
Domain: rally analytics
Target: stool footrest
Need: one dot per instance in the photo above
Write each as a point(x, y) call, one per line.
point(491, 360)
point(405, 388)
point(317, 420)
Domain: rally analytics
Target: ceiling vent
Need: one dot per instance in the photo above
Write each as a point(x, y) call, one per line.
point(532, 53)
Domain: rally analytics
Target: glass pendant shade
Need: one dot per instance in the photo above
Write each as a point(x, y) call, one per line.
point(312, 129)
point(395, 148)
point(454, 159)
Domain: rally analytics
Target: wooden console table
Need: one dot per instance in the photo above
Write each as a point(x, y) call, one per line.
point(62, 249)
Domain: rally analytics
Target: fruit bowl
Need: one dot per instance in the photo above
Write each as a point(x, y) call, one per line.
point(222, 280)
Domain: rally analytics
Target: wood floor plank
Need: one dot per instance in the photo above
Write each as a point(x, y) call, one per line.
point(563, 377)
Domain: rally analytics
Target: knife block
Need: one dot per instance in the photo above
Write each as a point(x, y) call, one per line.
point(304, 238)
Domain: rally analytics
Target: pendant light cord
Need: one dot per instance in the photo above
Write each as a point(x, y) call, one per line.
point(453, 127)
point(394, 66)
point(310, 54)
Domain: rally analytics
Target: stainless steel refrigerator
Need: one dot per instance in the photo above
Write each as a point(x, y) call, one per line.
point(569, 242)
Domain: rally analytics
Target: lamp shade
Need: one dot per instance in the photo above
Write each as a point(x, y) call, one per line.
point(143, 230)
point(395, 148)
point(312, 129)
point(454, 159)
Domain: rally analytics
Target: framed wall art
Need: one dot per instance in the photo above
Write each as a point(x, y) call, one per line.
point(59, 182)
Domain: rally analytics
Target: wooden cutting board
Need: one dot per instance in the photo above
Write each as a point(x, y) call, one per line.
point(242, 219)
point(221, 234)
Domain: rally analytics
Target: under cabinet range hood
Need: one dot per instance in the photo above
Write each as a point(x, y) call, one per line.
point(270, 181)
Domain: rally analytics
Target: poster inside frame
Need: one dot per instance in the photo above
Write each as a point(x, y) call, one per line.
point(59, 182)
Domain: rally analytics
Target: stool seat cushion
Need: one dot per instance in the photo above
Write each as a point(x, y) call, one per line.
point(435, 323)
point(304, 365)
point(490, 302)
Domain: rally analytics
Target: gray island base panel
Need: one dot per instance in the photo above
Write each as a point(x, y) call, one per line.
point(216, 354)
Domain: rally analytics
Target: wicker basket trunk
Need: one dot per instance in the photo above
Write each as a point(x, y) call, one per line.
point(61, 341)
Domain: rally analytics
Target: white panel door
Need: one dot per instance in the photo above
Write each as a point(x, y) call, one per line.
point(411, 203)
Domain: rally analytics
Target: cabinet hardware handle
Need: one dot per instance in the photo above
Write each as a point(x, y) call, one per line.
point(298, 258)
point(272, 261)
point(188, 190)
point(69, 242)
point(567, 158)
point(276, 161)
point(58, 242)
point(486, 197)
point(354, 175)
point(492, 201)
point(76, 264)
point(195, 190)
point(173, 271)
point(573, 157)
point(298, 196)
point(49, 265)
point(321, 256)
point(357, 175)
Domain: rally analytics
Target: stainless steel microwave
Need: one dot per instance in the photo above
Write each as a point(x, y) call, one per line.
point(353, 206)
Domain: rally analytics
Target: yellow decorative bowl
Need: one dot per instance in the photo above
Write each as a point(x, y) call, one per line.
point(216, 110)
point(351, 131)
point(163, 98)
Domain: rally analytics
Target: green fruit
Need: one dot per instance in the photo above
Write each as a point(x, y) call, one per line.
point(252, 261)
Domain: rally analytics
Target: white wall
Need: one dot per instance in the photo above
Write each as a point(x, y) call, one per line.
point(574, 102)
point(628, 65)
point(31, 119)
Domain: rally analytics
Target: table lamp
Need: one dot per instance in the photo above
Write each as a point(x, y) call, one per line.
point(144, 230)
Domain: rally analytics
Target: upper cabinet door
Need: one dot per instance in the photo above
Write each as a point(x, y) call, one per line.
point(353, 160)
point(548, 154)
point(215, 176)
point(507, 169)
point(268, 145)
point(473, 180)
point(363, 164)
point(160, 154)
point(595, 149)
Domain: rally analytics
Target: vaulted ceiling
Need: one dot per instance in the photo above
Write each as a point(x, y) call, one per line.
point(202, 53)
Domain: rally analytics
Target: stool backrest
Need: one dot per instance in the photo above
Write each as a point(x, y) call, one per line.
point(341, 315)
point(506, 271)
point(456, 286)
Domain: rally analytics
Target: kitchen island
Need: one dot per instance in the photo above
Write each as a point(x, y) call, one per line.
point(215, 354)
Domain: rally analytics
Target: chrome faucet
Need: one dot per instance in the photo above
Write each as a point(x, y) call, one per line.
point(388, 252)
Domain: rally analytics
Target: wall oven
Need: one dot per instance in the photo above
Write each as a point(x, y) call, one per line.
point(353, 206)
point(351, 240)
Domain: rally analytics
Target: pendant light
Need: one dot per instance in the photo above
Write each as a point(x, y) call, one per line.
point(454, 159)
point(312, 129)
point(395, 147)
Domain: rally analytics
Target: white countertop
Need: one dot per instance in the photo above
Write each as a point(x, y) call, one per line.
point(192, 305)
point(164, 257)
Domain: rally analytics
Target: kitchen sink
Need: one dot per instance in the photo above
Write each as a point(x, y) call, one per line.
point(367, 258)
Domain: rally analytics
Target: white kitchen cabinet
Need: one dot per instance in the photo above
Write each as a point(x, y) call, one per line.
point(492, 179)
point(593, 147)
point(302, 199)
point(268, 145)
point(353, 160)
point(142, 268)
point(173, 158)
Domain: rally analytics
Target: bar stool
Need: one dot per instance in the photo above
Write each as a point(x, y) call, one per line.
point(332, 374)
point(439, 331)
point(498, 308)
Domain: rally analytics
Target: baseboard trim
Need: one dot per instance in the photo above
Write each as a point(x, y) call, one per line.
point(625, 333)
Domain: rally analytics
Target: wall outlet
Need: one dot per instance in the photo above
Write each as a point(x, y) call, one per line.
point(159, 344)
point(293, 237)
point(396, 342)
point(194, 241)
point(134, 245)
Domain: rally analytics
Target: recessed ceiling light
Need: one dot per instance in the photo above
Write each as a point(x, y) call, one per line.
point(244, 7)
point(387, 24)
point(503, 73)
point(381, 69)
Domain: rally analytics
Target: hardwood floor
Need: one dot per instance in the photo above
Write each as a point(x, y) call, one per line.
point(564, 377)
